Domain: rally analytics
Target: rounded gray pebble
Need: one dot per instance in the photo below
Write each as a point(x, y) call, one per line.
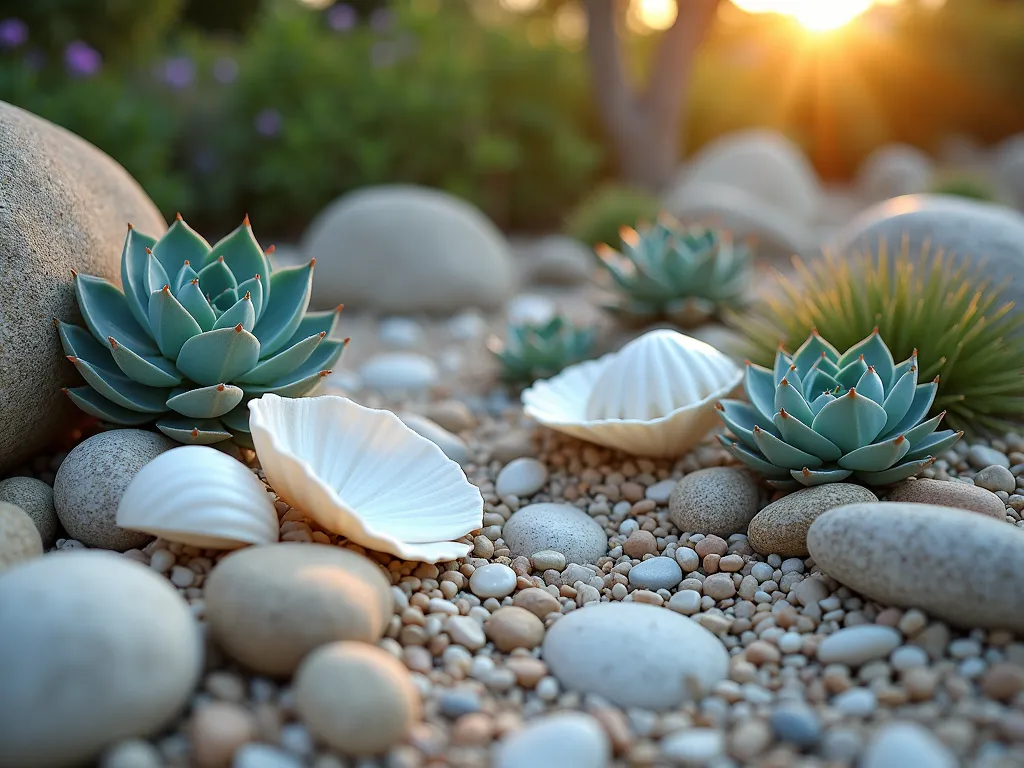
point(92, 479)
point(996, 478)
point(556, 741)
point(656, 573)
point(36, 498)
point(796, 724)
point(781, 527)
point(560, 527)
point(981, 456)
point(718, 500)
point(950, 494)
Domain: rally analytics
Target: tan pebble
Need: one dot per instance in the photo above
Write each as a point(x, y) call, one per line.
point(217, 731)
point(750, 739)
point(475, 729)
point(711, 545)
point(19, 537)
point(483, 547)
point(719, 586)
point(640, 543)
point(225, 686)
point(521, 566)
point(632, 492)
point(1003, 681)
point(646, 596)
point(731, 564)
point(528, 670)
point(920, 683)
point(514, 627)
point(760, 652)
point(615, 724)
point(418, 659)
point(711, 563)
point(537, 601)
point(268, 719)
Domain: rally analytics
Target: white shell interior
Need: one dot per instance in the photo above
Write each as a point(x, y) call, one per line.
point(199, 496)
point(663, 385)
point(362, 473)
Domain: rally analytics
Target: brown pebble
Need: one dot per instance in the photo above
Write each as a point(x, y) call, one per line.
point(514, 627)
point(711, 563)
point(711, 545)
point(217, 731)
point(473, 730)
point(889, 617)
point(720, 586)
point(749, 739)
point(731, 564)
point(537, 601)
point(632, 492)
point(1003, 681)
point(528, 670)
point(762, 652)
point(640, 543)
point(920, 683)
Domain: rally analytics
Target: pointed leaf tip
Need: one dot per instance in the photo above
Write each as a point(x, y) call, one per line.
point(784, 382)
point(899, 440)
point(74, 272)
point(719, 407)
point(178, 216)
point(346, 340)
point(113, 342)
point(195, 432)
point(72, 358)
point(339, 308)
point(270, 249)
point(166, 289)
point(325, 373)
point(130, 227)
point(805, 472)
point(238, 328)
point(783, 414)
point(245, 220)
point(149, 251)
point(248, 296)
point(935, 380)
point(322, 334)
point(220, 387)
point(852, 392)
point(56, 322)
point(312, 262)
point(187, 263)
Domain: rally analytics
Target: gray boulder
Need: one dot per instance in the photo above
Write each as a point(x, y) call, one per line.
point(64, 205)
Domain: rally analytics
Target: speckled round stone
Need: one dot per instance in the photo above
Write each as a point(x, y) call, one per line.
point(270, 606)
point(493, 580)
point(719, 500)
point(656, 573)
point(92, 479)
point(521, 477)
point(356, 698)
point(996, 478)
point(781, 527)
point(949, 494)
point(556, 741)
point(617, 651)
point(36, 498)
point(96, 648)
point(891, 553)
point(19, 538)
point(560, 527)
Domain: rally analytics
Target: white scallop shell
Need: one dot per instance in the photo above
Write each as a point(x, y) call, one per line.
point(654, 397)
point(362, 473)
point(199, 496)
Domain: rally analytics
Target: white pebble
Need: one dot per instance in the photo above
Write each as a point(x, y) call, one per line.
point(688, 560)
point(548, 559)
point(908, 657)
point(856, 702)
point(661, 492)
point(466, 631)
point(182, 577)
point(903, 744)
point(857, 645)
point(762, 572)
point(162, 561)
point(521, 477)
point(400, 332)
point(686, 602)
point(255, 755)
point(694, 746)
point(493, 580)
point(790, 642)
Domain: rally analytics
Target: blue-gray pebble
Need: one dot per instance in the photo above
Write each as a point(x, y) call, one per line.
point(656, 573)
point(796, 725)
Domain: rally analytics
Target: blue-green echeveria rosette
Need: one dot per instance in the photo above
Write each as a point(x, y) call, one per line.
point(197, 333)
point(822, 417)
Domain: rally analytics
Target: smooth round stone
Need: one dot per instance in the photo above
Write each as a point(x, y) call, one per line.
point(132, 753)
point(530, 308)
point(556, 741)
point(400, 332)
point(908, 657)
point(796, 724)
point(467, 325)
point(217, 730)
point(493, 580)
point(115, 638)
point(36, 498)
point(356, 698)
point(453, 415)
point(693, 746)
point(512, 627)
point(256, 755)
point(92, 479)
point(656, 573)
point(270, 606)
point(453, 446)
point(19, 538)
point(996, 478)
point(617, 651)
point(685, 601)
point(548, 559)
point(892, 553)
point(466, 631)
point(981, 456)
point(858, 645)
point(781, 527)
point(949, 494)
point(560, 527)
point(719, 500)
point(856, 702)
point(521, 477)
point(905, 744)
point(661, 492)
point(398, 371)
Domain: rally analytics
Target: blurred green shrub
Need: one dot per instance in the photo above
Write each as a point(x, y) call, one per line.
point(971, 186)
point(599, 217)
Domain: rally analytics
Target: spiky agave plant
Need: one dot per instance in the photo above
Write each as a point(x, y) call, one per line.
point(196, 334)
point(821, 416)
point(540, 350)
point(681, 274)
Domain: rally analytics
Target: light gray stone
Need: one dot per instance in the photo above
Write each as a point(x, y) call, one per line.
point(556, 741)
point(893, 170)
point(656, 573)
point(718, 500)
point(91, 480)
point(557, 260)
point(904, 744)
point(694, 746)
point(400, 332)
point(858, 645)
point(996, 478)
point(560, 527)
point(618, 651)
point(521, 477)
point(944, 493)
point(781, 527)
point(398, 372)
point(454, 447)
point(113, 634)
point(407, 249)
point(36, 498)
point(891, 553)
point(65, 206)
point(981, 456)
point(19, 538)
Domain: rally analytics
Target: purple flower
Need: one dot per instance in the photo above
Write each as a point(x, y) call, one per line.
point(82, 60)
point(178, 71)
point(225, 70)
point(381, 20)
point(268, 122)
point(341, 17)
point(13, 33)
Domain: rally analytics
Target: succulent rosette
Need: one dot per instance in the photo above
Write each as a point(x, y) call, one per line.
point(198, 331)
point(540, 350)
point(822, 417)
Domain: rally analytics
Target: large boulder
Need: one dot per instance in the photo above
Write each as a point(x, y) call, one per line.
point(64, 205)
point(406, 249)
point(961, 227)
point(762, 163)
point(894, 170)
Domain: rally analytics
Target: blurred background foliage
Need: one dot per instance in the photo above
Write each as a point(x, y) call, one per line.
point(275, 108)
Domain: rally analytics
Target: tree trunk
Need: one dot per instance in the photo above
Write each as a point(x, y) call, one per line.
point(645, 127)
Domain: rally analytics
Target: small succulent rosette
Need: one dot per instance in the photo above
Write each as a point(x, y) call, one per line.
point(822, 417)
point(534, 351)
point(196, 334)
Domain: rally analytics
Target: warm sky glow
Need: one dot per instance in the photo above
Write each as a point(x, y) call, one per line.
point(814, 15)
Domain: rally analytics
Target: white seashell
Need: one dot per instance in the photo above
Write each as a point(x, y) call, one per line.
point(654, 397)
point(199, 496)
point(364, 474)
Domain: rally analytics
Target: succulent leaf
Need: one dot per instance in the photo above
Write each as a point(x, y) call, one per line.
point(78, 342)
point(185, 275)
point(305, 377)
point(812, 477)
point(876, 355)
point(850, 421)
point(171, 322)
point(533, 351)
point(237, 419)
point(290, 289)
point(193, 431)
point(121, 390)
point(205, 402)
point(895, 474)
point(242, 313)
point(877, 456)
point(813, 350)
point(933, 444)
point(180, 243)
point(925, 428)
point(191, 297)
point(242, 254)
point(870, 385)
point(924, 396)
point(107, 314)
point(802, 436)
point(288, 359)
point(756, 461)
point(134, 266)
point(215, 278)
point(219, 355)
point(314, 323)
point(782, 454)
point(741, 418)
point(254, 287)
point(789, 399)
point(151, 371)
point(760, 388)
point(899, 400)
point(95, 404)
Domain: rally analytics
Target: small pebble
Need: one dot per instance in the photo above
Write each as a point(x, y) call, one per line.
point(798, 725)
point(548, 560)
point(493, 580)
point(514, 627)
point(858, 645)
point(856, 702)
point(640, 543)
point(656, 573)
point(996, 478)
point(694, 746)
point(521, 477)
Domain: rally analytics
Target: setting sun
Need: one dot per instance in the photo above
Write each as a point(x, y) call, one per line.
point(813, 15)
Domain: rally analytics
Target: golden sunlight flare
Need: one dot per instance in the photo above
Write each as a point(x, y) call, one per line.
point(813, 15)
point(653, 14)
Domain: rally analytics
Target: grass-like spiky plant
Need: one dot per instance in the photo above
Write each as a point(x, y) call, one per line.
point(959, 323)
